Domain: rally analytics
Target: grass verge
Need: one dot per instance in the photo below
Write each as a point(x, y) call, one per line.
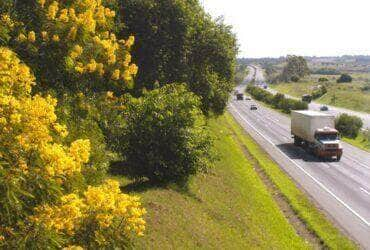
point(227, 208)
point(315, 221)
point(360, 141)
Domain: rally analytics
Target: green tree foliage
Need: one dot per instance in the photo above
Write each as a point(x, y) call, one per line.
point(71, 45)
point(323, 79)
point(344, 78)
point(241, 73)
point(277, 101)
point(320, 91)
point(179, 42)
point(165, 138)
point(296, 67)
point(348, 125)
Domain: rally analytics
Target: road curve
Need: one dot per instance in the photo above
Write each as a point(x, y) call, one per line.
point(342, 188)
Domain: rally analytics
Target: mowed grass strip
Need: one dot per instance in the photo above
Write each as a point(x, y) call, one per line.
point(315, 221)
point(360, 141)
point(227, 208)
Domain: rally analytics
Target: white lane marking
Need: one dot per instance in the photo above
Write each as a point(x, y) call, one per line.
point(359, 163)
point(367, 223)
point(365, 191)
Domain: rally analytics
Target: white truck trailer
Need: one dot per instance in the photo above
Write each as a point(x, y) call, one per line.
point(315, 131)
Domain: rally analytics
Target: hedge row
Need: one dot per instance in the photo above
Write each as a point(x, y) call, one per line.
point(278, 101)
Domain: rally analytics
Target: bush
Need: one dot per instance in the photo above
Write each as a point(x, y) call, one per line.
point(277, 101)
point(278, 97)
point(83, 120)
point(294, 78)
point(48, 203)
point(344, 78)
point(319, 92)
point(348, 126)
point(323, 79)
point(165, 138)
point(365, 88)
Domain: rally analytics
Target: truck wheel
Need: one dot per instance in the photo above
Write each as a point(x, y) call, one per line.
point(297, 141)
point(338, 157)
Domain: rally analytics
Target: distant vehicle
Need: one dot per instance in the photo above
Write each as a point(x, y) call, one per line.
point(315, 131)
point(253, 107)
point(265, 86)
point(239, 97)
point(247, 98)
point(324, 108)
point(306, 98)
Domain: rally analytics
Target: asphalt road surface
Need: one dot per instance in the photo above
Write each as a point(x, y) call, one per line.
point(342, 188)
point(336, 111)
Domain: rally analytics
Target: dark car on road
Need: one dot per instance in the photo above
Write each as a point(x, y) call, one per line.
point(239, 97)
point(324, 108)
point(253, 107)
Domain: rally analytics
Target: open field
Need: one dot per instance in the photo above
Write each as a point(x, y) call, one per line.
point(231, 207)
point(346, 95)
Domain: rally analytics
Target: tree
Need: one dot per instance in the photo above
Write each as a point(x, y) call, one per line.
point(71, 45)
point(344, 78)
point(179, 42)
point(296, 67)
point(165, 138)
point(48, 204)
point(348, 125)
point(323, 79)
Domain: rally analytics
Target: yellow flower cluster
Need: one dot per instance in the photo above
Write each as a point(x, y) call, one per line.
point(100, 52)
point(27, 122)
point(16, 78)
point(73, 247)
point(7, 21)
point(104, 206)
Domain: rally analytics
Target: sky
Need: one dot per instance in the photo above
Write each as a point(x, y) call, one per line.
point(273, 28)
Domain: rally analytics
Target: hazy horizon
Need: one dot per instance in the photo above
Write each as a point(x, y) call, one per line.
point(268, 28)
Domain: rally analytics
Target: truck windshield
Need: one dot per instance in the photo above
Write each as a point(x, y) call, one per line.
point(327, 137)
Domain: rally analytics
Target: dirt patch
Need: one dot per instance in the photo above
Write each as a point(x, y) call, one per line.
point(299, 225)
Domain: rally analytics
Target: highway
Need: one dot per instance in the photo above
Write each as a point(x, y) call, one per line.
point(341, 189)
point(336, 111)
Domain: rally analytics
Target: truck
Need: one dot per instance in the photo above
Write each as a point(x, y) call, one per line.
point(239, 96)
point(315, 131)
point(306, 98)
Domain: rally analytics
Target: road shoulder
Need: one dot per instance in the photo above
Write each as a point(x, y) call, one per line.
point(314, 219)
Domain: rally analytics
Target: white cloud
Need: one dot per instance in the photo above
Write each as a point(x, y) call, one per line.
point(304, 27)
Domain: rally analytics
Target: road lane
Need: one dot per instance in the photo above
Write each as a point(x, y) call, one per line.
point(342, 188)
point(336, 111)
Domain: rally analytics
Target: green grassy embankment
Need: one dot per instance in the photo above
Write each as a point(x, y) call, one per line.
point(354, 98)
point(231, 207)
point(360, 141)
point(227, 208)
point(345, 95)
point(315, 221)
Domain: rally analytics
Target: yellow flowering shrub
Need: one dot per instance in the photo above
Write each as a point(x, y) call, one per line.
point(83, 29)
point(38, 174)
point(99, 214)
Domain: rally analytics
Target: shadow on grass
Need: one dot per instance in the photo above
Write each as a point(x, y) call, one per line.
point(144, 184)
